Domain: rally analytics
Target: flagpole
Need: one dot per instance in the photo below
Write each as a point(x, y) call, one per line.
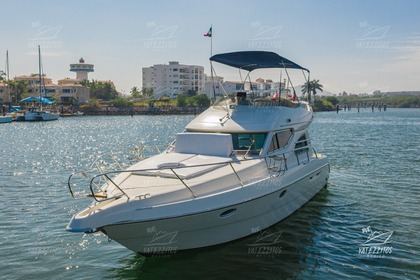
point(211, 41)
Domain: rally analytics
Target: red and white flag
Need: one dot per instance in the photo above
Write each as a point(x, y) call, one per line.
point(208, 34)
point(275, 96)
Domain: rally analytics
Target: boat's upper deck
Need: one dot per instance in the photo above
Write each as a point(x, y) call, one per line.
point(260, 115)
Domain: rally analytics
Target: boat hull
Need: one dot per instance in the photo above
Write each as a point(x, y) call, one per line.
point(40, 116)
point(166, 236)
point(5, 119)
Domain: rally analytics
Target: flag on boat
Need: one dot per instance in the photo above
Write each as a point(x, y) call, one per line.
point(275, 96)
point(208, 34)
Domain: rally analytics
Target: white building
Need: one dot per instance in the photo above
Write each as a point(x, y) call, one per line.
point(173, 79)
point(82, 69)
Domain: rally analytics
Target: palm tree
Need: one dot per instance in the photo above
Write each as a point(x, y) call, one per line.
point(135, 93)
point(310, 87)
point(2, 75)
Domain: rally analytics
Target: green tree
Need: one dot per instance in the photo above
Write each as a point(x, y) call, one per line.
point(181, 100)
point(191, 93)
point(100, 90)
point(92, 103)
point(2, 75)
point(201, 100)
point(121, 102)
point(135, 93)
point(332, 99)
point(310, 88)
point(17, 89)
point(147, 92)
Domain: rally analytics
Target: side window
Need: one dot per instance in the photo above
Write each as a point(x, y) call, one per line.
point(279, 140)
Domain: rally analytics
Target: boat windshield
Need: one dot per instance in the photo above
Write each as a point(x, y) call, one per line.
point(248, 141)
point(224, 101)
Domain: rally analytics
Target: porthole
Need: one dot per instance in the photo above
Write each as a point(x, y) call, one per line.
point(282, 193)
point(228, 213)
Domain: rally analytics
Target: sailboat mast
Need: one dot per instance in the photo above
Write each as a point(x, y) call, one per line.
point(7, 74)
point(40, 78)
point(7, 64)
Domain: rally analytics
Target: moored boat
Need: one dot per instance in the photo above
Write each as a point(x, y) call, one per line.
point(38, 114)
point(5, 119)
point(241, 166)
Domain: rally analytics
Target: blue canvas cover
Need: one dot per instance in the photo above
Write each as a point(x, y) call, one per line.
point(39, 99)
point(251, 60)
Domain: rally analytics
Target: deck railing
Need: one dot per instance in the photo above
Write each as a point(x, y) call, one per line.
point(103, 172)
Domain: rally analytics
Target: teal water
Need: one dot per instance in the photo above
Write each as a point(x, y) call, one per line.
point(374, 186)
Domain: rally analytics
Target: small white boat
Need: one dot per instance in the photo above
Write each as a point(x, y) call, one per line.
point(78, 114)
point(38, 115)
point(238, 168)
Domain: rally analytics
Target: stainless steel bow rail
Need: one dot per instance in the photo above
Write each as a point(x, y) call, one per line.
point(104, 170)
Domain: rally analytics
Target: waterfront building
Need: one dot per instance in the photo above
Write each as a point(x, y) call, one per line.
point(72, 91)
point(173, 79)
point(82, 69)
point(67, 90)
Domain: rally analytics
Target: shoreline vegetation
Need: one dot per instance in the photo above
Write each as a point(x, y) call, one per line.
point(322, 103)
point(328, 103)
point(117, 111)
point(165, 106)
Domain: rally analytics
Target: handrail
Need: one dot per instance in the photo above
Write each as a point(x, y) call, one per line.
point(109, 179)
point(108, 175)
point(179, 178)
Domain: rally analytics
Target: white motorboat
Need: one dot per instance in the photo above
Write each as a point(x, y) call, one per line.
point(241, 166)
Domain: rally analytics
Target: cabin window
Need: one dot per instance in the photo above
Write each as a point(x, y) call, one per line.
point(279, 140)
point(243, 141)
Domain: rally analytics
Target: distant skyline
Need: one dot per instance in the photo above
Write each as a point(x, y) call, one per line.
point(353, 46)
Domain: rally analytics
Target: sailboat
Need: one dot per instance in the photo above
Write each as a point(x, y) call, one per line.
point(37, 114)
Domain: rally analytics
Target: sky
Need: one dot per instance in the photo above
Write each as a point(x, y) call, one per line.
point(355, 46)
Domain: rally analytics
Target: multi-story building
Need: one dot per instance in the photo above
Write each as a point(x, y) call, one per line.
point(173, 79)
